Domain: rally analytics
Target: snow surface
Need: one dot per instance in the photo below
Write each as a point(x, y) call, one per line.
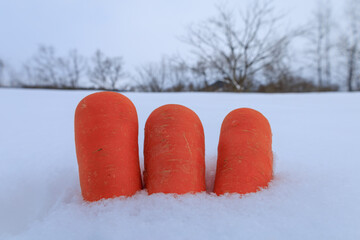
point(315, 193)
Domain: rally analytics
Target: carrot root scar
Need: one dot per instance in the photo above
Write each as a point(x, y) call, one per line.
point(245, 158)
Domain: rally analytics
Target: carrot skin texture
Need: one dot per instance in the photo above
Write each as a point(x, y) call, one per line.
point(245, 157)
point(106, 139)
point(174, 151)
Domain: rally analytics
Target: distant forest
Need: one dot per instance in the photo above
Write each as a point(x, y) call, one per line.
point(242, 50)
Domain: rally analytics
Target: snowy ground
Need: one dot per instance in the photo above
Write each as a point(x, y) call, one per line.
point(315, 193)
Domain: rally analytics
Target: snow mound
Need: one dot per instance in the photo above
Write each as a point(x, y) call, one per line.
point(315, 193)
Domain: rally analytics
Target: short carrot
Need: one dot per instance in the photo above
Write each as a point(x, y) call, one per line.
point(106, 139)
point(245, 158)
point(174, 151)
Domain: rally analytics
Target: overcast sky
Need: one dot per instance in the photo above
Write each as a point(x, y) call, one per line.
point(139, 30)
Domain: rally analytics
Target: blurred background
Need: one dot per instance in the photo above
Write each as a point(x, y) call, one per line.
point(203, 45)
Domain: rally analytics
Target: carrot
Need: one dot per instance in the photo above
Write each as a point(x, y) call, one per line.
point(106, 139)
point(245, 158)
point(174, 151)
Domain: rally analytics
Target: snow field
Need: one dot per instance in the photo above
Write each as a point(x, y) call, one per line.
point(315, 193)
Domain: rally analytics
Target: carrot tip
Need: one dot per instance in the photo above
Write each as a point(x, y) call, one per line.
point(106, 139)
point(174, 151)
point(245, 158)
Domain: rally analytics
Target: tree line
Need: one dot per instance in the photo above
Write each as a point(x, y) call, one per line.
point(242, 50)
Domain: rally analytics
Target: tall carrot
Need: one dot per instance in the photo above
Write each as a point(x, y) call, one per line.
point(174, 151)
point(245, 158)
point(106, 139)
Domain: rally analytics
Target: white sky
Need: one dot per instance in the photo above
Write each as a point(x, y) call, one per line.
point(139, 30)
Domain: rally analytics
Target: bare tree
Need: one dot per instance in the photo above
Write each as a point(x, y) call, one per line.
point(279, 74)
point(106, 72)
point(47, 69)
point(202, 74)
point(42, 68)
point(320, 42)
point(72, 69)
point(281, 77)
point(9, 77)
point(349, 44)
point(152, 77)
point(171, 74)
point(181, 75)
point(2, 66)
point(234, 52)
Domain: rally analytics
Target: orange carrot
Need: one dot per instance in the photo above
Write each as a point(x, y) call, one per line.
point(174, 151)
point(245, 158)
point(106, 139)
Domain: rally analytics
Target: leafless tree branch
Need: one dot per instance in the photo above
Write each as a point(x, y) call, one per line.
point(235, 51)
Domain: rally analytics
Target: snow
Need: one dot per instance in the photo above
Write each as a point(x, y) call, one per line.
point(315, 193)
